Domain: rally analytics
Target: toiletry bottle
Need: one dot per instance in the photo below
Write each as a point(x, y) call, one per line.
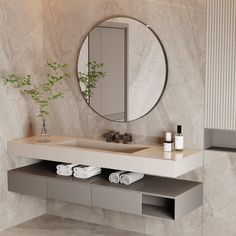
point(179, 139)
point(168, 143)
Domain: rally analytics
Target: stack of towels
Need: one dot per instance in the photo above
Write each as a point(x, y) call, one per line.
point(85, 172)
point(66, 169)
point(78, 171)
point(125, 177)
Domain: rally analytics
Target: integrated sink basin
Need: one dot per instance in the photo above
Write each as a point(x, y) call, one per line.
point(101, 145)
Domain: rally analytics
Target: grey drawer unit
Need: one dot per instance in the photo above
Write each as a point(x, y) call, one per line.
point(152, 196)
point(117, 199)
point(27, 184)
point(69, 191)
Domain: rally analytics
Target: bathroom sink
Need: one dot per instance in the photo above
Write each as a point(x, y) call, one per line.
point(104, 146)
point(148, 159)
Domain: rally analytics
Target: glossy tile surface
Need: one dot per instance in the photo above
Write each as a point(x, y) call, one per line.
point(21, 51)
point(219, 194)
point(57, 226)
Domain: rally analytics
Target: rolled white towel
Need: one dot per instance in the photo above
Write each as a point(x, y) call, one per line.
point(115, 176)
point(65, 172)
point(87, 175)
point(86, 169)
point(66, 166)
point(130, 178)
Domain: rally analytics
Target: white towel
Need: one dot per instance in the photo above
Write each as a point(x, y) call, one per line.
point(130, 178)
point(87, 175)
point(86, 168)
point(64, 172)
point(66, 167)
point(115, 176)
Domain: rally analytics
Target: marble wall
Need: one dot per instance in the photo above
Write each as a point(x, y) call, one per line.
point(33, 31)
point(219, 194)
point(181, 27)
point(21, 51)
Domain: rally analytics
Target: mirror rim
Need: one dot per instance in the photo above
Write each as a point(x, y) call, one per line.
point(162, 48)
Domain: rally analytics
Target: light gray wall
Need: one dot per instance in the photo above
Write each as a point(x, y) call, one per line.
point(219, 212)
point(21, 51)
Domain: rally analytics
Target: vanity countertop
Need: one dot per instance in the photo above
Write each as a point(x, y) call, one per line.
point(148, 159)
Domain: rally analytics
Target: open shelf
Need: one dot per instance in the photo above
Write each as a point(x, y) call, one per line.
point(158, 206)
point(157, 211)
point(152, 196)
point(220, 140)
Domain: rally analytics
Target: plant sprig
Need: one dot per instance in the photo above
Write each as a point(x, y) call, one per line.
point(44, 93)
point(90, 79)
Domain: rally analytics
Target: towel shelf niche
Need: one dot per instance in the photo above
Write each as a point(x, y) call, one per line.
point(152, 196)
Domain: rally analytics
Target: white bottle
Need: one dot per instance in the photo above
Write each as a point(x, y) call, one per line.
point(168, 144)
point(179, 139)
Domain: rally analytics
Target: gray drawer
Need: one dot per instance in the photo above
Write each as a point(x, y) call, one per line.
point(68, 191)
point(27, 184)
point(116, 199)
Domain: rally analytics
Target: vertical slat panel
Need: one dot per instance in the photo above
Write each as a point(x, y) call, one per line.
point(220, 95)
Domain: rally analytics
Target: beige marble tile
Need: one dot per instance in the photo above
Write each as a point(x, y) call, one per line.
point(21, 51)
point(219, 193)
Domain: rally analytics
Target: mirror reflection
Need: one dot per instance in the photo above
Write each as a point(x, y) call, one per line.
point(122, 69)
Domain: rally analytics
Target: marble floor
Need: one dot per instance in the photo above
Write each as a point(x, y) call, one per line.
point(48, 225)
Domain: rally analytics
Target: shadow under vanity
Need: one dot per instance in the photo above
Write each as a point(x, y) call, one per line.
point(122, 75)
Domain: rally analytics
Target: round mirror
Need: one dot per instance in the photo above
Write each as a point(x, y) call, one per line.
point(122, 69)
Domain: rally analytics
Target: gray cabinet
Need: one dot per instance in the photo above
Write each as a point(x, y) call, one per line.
point(73, 192)
point(151, 196)
point(116, 199)
point(27, 184)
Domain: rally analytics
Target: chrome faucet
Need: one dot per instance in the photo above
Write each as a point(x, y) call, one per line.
point(113, 136)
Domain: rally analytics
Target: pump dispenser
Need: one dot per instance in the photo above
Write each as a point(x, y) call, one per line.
point(179, 139)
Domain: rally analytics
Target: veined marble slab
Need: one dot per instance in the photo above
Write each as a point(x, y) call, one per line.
point(147, 159)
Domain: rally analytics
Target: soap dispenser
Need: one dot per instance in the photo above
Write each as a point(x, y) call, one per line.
point(179, 139)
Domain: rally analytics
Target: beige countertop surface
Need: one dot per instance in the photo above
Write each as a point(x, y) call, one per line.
point(148, 159)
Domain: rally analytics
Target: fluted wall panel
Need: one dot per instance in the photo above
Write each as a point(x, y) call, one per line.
point(220, 92)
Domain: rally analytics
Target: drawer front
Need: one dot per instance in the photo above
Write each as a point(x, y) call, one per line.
point(27, 184)
point(116, 199)
point(79, 193)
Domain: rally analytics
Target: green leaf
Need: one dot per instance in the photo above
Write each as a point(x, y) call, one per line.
point(43, 94)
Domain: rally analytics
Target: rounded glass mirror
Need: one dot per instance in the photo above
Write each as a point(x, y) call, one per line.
point(122, 69)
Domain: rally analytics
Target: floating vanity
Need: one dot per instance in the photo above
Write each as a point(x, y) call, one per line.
point(151, 196)
point(147, 159)
point(158, 194)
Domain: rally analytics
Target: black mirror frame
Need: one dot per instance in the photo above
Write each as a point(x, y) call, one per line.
point(165, 58)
